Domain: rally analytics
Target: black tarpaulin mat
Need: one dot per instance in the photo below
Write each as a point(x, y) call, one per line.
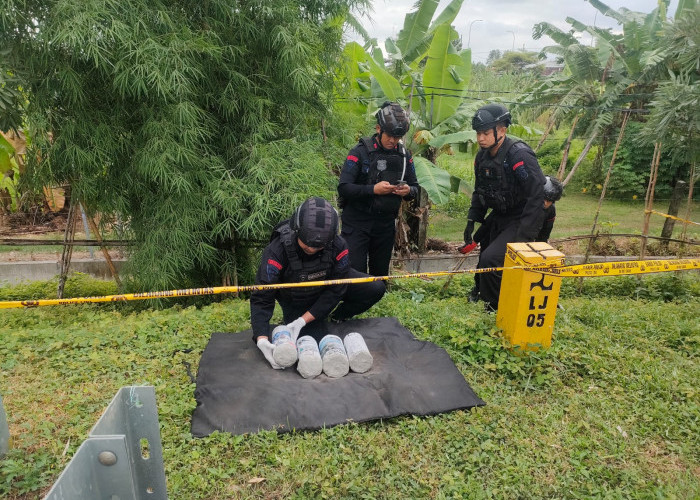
point(238, 392)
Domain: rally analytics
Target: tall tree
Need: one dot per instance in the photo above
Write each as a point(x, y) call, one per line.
point(601, 81)
point(190, 121)
point(674, 120)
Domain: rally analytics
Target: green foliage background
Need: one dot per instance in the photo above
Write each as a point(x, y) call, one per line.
point(199, 124)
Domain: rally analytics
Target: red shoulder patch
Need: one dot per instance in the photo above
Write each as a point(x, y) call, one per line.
point(353, 158)
point(274, 263)
point(341, 254)
point(519, 164)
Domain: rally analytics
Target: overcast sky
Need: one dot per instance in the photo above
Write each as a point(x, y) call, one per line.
point(504, 24)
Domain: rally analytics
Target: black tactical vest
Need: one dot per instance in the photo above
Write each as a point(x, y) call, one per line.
point(381, 165)
point(496, 186)
point(301, 270)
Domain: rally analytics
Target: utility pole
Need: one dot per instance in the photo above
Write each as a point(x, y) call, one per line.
point(513, 32)
point(469, 38)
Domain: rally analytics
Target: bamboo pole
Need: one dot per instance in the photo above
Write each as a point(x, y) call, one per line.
point(110, 264)
point(580, 158)
point(68, 237)
point(690, 200)
point(550, 126)
point(605, 183)
point(565, 156)
point(649, 198)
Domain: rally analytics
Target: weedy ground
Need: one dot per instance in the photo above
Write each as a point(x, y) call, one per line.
point(612, 410)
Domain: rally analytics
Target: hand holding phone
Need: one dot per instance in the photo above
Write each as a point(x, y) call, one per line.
point(399, 187)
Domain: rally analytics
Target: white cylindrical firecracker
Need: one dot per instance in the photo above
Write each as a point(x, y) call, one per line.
point(285, 353)
point(359, 356)
point(334, 357)
point(310, 364)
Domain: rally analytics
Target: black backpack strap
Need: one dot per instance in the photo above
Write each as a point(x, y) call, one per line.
point(513, 148)
point(368, 143)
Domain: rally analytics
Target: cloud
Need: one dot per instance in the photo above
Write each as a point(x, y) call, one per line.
point(506, 24)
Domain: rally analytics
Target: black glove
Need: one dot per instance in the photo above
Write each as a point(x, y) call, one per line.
point(468, 232)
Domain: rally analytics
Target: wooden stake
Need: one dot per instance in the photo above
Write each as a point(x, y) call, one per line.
point(605, 183)
point(110, 264)
point(565, 156)
point(649, 198)
point(68, 237)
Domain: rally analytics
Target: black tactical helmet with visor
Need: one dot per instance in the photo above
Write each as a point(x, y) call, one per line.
point(489, 117)
point(315, 222)
point(392, 119)
point(553, 189)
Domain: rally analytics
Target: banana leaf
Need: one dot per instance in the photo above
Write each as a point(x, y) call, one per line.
point(436, 181)
point(456, 138)
point(443, 92)
point(416, 25)
point(389, 85)
point(6, 151)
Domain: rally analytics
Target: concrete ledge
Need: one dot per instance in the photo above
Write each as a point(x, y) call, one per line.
point(13, 273)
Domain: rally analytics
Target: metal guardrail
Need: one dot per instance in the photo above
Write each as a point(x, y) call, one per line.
point(4, 431)
point(122, 459)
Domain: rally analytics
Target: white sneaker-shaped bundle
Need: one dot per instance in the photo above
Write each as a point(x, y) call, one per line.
point(285, 353)
point(334, 357)
point(310, 364)
point(358, 355)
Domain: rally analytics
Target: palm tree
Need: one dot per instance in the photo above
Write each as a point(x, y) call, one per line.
point(606, 79)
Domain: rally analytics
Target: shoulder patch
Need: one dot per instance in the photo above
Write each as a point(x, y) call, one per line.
point(273, 269)
point(342, 254)
point(342, 260)
point(520, 170)
point(353, 158)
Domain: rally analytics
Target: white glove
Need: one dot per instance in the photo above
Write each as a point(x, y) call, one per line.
point(268, 349)
point(295, 327)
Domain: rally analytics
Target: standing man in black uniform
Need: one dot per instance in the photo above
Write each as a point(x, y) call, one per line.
point(509, 182)
point(378, 173)
point(307, 247)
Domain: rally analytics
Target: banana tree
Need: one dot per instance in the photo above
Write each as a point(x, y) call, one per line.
point(601, 80)
point(430, 76)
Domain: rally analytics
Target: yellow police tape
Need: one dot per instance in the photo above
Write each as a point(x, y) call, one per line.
point(579, 270)
point(671, 217)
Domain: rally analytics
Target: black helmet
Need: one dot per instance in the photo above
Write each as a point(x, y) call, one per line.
point(393, 119)
point(552, 189)
point(315, 222)
point(487, 117)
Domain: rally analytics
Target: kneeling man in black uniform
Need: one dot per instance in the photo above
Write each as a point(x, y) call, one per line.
point(307, 247)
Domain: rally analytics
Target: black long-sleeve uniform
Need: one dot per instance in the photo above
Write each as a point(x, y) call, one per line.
point(550, 215)
point(511, 184)
point(320, 300)
point(369, 219)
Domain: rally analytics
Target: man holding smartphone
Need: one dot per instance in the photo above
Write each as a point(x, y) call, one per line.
point(377, 175)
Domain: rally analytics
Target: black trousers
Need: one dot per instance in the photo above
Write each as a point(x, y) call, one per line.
point(358, 298)
point(502, 231)
point(370, 239)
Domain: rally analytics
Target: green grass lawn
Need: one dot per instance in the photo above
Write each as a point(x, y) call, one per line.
point(612, 410)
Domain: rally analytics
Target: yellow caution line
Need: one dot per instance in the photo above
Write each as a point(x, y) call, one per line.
point(579, 270)
point(671, 217)
point(620, 268)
